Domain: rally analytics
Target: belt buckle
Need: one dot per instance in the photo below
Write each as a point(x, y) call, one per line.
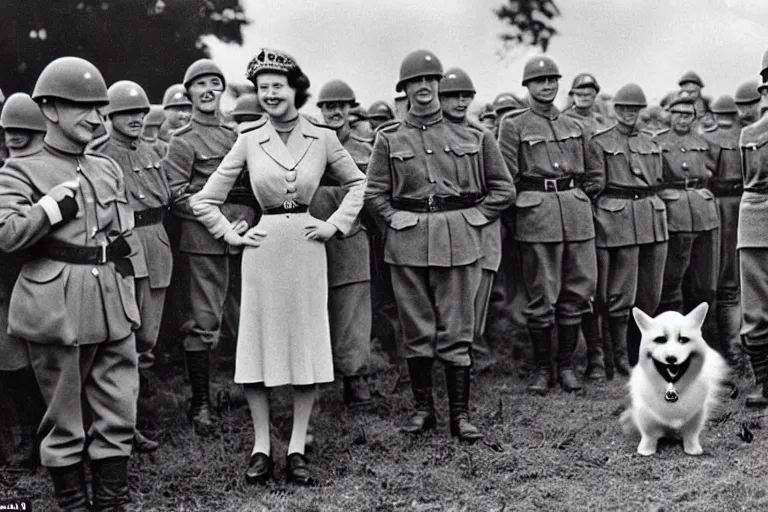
point(550, 185)
point(636, 196)
point(431, 203)
point(689, 183)
point(289, 204)
point(103, 255)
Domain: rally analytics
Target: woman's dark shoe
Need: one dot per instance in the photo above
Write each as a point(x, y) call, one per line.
point(297, 470)
point(259, 469)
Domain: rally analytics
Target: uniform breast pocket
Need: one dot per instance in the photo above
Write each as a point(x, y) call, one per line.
point(465, 157)
point(206, 165)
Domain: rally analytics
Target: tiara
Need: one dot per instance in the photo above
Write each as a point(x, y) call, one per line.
point(268, 60)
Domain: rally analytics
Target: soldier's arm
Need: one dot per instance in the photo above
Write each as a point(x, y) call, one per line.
point(378, 193)
point(509, 144)
point(599, 155)
point(594, 169)
point(343, 169)
point(205, 204)
point(177, 166)
point(500, 189)
point(713, 155)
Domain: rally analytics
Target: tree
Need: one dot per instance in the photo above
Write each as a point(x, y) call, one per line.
point(151, 42)
point(530, 23)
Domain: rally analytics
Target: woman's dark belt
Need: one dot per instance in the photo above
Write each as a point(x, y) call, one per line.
point(149, 216)
point(546, 184)
point(433, 203)
point(242, 197)
point(686, 184)
point(118, 249)
point(727, 188)
point(628, 192)
point(286, 207)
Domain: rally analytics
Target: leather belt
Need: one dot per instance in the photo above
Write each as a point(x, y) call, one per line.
point(242, 198)
point(286, 207)
point(727, 188)
point(84, 255)
point(149, 216)
point(628, 192)
point(546, 184)
point(686, 184)
point(433, 203)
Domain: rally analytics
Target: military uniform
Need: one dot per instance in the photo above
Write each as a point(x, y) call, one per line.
point(693, 251)
point(591, 123)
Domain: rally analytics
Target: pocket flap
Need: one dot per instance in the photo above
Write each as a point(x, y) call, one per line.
point(528, 200)
point(401, 155)
point(612, 204)
point(705, 193)
point(532, 139)
point(475, 217)
point(402, 220)
point(669, 194)
point(465, 149)
point(42, 270)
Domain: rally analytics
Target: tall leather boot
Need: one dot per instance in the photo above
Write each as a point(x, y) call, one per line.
point(541, 338)
point(595, 362)
point(610, 365)
point(423, 418)
point(69, 487)
point(457, 381)
point(568, 337)
point(623, 354)
point(109, 481)
point(758, 358)
point(199, 369)
point(728, 326)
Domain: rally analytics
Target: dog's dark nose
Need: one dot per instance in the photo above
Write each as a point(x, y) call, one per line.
point(671, 360)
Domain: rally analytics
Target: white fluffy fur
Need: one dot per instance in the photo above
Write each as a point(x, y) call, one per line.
point(699, 389)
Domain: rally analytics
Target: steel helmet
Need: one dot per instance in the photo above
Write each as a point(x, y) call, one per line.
point(724, 105)
point(22, 113)
point(488, 112)
point(506, 101)
point(247, 105)
point(456, 80)
point(125, 96)
point(176, 96)
point(691, 77)
point(356, 114)
point(72, 79)
point(747, 93)
point(380, 110)
point(630, 95)
point(417, 64)
point(155, 116)
point(539, 67)
point(200, 68)
point(583, 80)
point(336, 91)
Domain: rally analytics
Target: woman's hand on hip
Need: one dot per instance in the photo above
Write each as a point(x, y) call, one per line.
point(253, 237)
point(240, 227)
point(319, 230)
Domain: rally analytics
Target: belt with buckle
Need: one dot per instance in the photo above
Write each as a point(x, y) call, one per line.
point(618, 192)
point(82, 254)
point(546, 184)
point(287, 207)
point(686, 184)
point(149, 216)
point(727, 188)
point(432, 203)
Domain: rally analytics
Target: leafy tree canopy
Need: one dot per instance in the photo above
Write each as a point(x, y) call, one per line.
point(529, 23)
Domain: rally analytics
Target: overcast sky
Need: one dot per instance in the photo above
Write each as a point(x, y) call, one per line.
point(651, 42)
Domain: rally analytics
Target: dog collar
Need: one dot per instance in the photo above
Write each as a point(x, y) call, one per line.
point(670, 395)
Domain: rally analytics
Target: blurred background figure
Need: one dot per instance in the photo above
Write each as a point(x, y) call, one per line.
point(178, 110)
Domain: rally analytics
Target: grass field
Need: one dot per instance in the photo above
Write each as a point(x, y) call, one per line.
point(559, 452)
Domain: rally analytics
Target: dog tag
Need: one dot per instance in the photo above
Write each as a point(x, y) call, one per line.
point(671, 393)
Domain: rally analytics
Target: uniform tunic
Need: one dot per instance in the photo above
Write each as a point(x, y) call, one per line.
point(78, 318)
point(691, 270)
point(435, 255)
point(284, 338)
point(554, 227)
point(148, 190)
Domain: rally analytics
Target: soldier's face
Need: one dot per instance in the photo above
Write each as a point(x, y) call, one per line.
point(178, 116)
point(489, 123)
point(335, 113)
point(205, 93)
point(584, 98)
point(75, 121)
point(128, 123)
point(748, 112)
point(17, 139)
point(456, 105)
point(627, 114)
point(276, 97)
point(543, 89)
point(681, 117)
point(691, 89)
point(422, 91)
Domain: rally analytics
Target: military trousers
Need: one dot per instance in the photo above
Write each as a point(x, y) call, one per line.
point(630, 276)
point(560, 279)
point(98, 383)
point(349, 314)
point(691, 271)
point(436, 307)
point(754, 294)
point(150, 302)
point(211, 278)
point(482, 301)
point(728, 282)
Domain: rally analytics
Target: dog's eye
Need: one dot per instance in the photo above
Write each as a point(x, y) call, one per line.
point(684, 339)
point(660, 339)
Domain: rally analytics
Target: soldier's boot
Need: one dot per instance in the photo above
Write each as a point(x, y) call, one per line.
point(595, 361)
point(143, 444)
point(625, 348)
point(568, 337)
point(69, 487)
point(610, 365)
point(357, 393)
point(109, 481)
point(423, 418)
point(200, 413)
point(728, 326)
point(758, 357)
point(541, 339)
point(457, 380)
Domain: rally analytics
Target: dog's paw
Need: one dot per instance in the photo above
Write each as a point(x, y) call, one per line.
point(693, 450)
point(646, 452)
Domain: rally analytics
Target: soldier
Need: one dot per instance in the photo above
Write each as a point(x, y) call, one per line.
point(349, 271)
point(435, 184)
point(195, 151)
point(152, 123)
point(691, 85)
point(74, 299)
point(247, 109)
point(177, 108)
point(690, 273)
point(752, 245)
point(504, 103)
point(584, 110)
point(727, 185)
point(359, 124)
point(149, 196)
point(747, 103)
point(556, 173)
point(651, 121)
point(488, 117)
point(379, 113)
point(630, 223)
point(21, 406)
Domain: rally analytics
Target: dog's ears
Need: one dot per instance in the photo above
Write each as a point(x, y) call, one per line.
point(643, 321)
point(697, 315)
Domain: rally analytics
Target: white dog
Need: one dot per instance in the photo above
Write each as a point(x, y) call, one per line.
point(676, 383)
